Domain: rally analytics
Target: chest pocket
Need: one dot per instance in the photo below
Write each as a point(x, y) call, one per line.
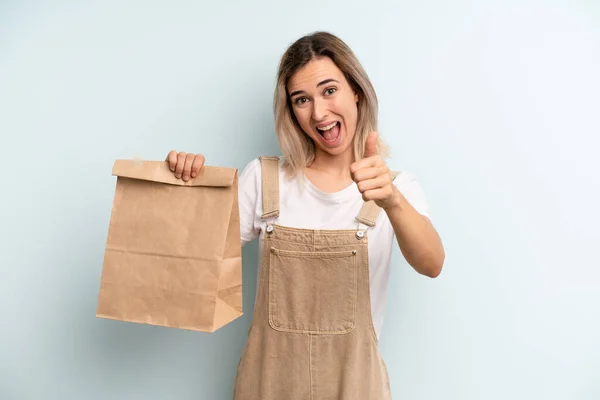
point(312, 292)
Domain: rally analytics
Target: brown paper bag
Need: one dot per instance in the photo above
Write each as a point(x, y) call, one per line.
point(173, 253)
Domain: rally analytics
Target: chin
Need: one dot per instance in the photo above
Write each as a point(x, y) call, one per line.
point(335, 151)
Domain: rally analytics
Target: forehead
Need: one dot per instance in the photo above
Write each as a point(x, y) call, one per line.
point(309, 76)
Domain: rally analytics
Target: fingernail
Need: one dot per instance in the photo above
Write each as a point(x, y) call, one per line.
point(193, 174)
point(173, 169)
point(186, 177)
point(178, 176)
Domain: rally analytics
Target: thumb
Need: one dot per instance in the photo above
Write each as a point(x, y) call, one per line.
point(371, 145)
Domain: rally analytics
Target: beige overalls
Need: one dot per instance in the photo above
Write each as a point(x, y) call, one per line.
point(311, 336)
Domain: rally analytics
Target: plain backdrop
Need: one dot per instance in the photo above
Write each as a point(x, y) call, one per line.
point(494, 105)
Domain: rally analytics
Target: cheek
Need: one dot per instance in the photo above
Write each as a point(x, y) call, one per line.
point(350, 112)
point(303, 118)
point(348, 108)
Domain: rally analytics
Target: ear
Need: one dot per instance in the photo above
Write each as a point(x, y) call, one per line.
point(355, 97)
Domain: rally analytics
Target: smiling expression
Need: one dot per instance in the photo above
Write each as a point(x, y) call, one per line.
point(324, 105)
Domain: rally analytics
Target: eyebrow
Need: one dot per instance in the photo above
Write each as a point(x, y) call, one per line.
point(325, 82)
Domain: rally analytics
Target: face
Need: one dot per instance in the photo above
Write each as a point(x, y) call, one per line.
point(324, 105)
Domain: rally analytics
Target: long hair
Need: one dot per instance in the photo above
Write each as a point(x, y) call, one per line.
point(297, 148)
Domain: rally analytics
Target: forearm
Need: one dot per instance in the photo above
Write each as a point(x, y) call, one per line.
point(418, 240)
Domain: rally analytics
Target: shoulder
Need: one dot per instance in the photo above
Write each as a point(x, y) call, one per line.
point(251, 173)
point(251, 168)
point(404, 178)
point(411, 188)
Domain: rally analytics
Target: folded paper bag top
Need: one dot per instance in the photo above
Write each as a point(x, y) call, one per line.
point(158, 171)
point(173, 252)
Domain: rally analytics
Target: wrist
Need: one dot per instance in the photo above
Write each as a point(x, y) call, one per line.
point(396, 203)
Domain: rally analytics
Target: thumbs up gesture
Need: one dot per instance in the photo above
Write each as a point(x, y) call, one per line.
point(372, 176)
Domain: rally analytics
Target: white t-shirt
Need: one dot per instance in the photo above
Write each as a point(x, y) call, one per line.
point(302, 205)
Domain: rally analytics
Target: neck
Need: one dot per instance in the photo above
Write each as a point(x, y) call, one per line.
point(337, 166)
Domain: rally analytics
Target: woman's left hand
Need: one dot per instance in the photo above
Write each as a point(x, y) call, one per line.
point(372, 175)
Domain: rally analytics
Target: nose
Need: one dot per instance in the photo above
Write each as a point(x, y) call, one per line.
point(320, 110)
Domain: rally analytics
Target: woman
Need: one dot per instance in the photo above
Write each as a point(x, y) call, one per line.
point(325, 242)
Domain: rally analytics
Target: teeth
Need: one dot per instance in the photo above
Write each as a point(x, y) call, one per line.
point(328, 127)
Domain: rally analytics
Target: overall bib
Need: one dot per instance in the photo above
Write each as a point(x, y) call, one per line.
point(312, 335)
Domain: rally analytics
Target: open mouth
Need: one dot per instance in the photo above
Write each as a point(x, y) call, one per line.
point(330, 133)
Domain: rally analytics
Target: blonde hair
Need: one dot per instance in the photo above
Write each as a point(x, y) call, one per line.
point(297, 148)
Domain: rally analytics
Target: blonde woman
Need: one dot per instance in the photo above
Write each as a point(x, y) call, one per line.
point(326, 214)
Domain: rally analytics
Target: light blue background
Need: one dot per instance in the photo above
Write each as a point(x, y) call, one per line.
point(494, 105)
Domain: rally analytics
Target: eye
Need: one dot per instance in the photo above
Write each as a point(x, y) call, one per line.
point(330, 91)
point(300, 100)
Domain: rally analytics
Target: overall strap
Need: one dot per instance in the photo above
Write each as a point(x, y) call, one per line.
point(369, 211)
point(270, 186)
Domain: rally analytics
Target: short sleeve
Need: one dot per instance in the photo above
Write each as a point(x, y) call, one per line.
point(248, 194)
point(410, 187)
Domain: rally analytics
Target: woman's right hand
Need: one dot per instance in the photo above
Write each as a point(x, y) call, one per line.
point(185, 165)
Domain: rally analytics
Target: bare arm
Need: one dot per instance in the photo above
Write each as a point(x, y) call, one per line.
point(418, 240)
